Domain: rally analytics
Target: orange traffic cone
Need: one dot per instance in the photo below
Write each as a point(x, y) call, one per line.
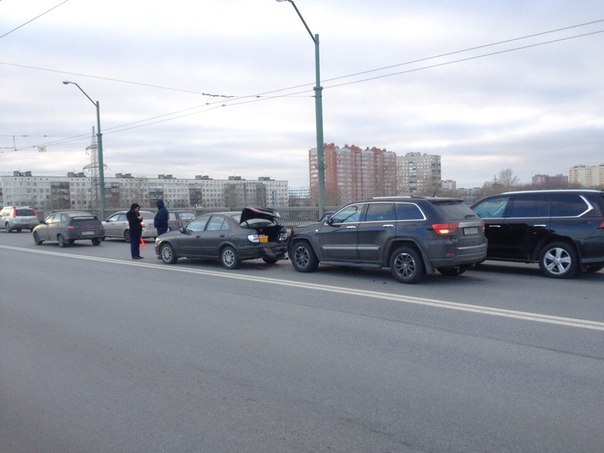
point(143, 245)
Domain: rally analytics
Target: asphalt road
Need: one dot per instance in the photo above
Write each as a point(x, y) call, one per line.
point(99, 353)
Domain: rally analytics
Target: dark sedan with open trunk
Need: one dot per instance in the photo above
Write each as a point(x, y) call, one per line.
point(229, 237)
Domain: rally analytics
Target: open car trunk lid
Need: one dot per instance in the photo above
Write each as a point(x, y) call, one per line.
point(259, 213)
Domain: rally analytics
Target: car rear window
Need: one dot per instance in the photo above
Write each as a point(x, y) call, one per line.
point(455, 209)
point(85, 221)
point(22, 212)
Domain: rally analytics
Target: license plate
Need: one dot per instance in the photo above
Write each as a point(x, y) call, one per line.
point(470, 230)
point(87, 233)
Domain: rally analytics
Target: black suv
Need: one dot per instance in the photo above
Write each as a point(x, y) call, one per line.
point(410, 235)
point(562, 230)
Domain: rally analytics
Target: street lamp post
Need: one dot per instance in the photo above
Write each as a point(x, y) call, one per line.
point(318, 113)
point(99, 137)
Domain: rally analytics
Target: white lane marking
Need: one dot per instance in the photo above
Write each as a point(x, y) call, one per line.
point(526, 316)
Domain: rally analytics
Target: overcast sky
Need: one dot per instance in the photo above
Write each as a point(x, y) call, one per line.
point(224, 87)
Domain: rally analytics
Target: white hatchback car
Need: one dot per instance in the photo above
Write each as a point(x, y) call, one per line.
point(116, 225)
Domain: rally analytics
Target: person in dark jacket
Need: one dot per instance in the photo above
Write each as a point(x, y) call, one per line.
point(161, 218)
point(135, 224)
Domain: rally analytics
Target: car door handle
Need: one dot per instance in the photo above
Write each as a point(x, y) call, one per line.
point(389, 225)
point(494, 226)
point(351, 227)
point(540, 225)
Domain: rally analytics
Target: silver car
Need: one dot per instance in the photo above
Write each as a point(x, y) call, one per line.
point(18, 218)
point(116, 225)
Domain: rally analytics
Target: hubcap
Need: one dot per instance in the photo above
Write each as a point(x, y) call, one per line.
point(302, 256)
point(405, 265)
point(557, 261)
point(228, 257)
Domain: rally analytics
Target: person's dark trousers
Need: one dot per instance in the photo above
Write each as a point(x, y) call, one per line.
point(135, 243)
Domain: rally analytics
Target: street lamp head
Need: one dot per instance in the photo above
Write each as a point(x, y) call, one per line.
point(66, 82)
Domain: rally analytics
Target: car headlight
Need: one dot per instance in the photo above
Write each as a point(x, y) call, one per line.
point(253, 238)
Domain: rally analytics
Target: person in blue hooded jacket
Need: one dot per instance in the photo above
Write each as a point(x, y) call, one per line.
point(161, 218)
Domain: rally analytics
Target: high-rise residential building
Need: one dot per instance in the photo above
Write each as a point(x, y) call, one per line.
point(75, 191)
point(587, 175)
point(353, 173)
point(418, 174)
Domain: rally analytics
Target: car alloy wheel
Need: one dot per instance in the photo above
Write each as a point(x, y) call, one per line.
point(167, 254)
point(61, 240)
point(37, 239)
point(229, 257)
point(406, 265)
point(558, 260)
point(127, 235)
point(304, 258)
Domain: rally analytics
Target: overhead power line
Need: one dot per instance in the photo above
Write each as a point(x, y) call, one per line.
point(286, 92)
point(31, 20)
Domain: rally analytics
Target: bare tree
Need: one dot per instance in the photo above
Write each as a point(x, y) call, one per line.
point(507, 179)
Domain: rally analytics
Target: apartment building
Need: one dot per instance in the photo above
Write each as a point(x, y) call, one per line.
point(352, 173)
point(418, 174)
point(76, 191)
point(591, 176)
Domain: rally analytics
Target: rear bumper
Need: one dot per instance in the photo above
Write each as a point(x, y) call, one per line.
point(270, 251)
point(461, 256)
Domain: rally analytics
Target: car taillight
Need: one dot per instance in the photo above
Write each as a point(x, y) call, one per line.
point(601, 227)
point(445, 228)
point(14, 213)
point(71, 228)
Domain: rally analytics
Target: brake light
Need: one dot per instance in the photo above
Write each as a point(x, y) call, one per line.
point(445, 228)
point(14, 213)
point(601, 227)
point(71, 228)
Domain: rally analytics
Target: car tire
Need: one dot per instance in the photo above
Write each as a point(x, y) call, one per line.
point(452, 271)
point(558, 260)
point(37, 239)
point(406, 265)
point(229, 257)
point(304, 257)
point(127, 236)
point(7, 228)
point(167, 254)
point(96, 241)
point(61, 240)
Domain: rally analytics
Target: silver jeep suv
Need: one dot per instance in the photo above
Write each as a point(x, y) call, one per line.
point(18, 218)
